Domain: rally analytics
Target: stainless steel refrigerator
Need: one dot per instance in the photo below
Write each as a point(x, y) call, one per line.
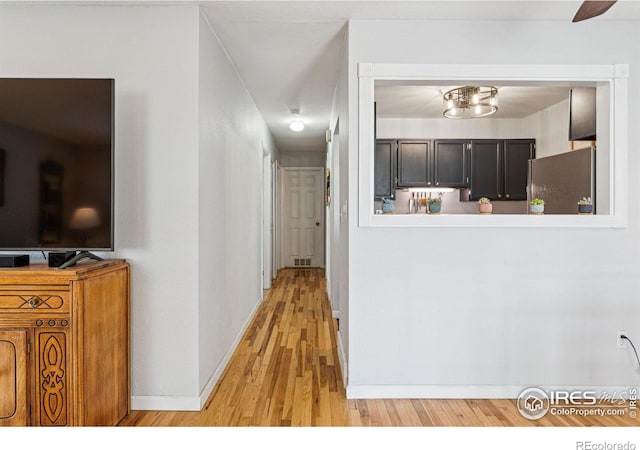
point(561, 180)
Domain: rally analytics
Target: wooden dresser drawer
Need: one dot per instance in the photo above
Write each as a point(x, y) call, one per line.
point(45, 301)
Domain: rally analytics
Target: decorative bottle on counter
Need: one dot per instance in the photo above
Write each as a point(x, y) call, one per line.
point(387, 206)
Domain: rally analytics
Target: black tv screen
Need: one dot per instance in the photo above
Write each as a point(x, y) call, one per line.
point(56, 164)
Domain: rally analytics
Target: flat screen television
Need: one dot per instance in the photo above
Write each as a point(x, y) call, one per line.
point(56, 164)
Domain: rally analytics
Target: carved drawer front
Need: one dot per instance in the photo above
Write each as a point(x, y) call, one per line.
point(34, 301)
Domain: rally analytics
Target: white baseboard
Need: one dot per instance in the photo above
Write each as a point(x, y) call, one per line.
point(171, 403)
point(164, 403)
point(463, 391)
point(342, 359)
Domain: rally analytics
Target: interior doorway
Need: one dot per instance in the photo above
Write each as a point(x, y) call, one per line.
point(267, 220)
point(303, 224)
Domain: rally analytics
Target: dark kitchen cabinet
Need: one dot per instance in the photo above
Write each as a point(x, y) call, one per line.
point(582, 114)
point(499, 168)
point(517, 153)
point(492, 168)
point(450, 163)
point(385, 169)
point(432, 163)
point(414, 164)
point(486, 172)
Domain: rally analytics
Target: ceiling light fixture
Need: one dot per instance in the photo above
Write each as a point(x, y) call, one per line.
point(296, 124)
point(468, 102)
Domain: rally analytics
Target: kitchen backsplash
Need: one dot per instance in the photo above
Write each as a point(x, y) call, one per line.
point(451, 204)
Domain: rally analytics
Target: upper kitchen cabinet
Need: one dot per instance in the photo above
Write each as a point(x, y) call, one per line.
point(486, 171)
point(425, 163)
point(450, 163)
point(517, 153)
point(385, 168)
point(582, 114)
point(492, 168)
point(414, 164)
point(499, 168)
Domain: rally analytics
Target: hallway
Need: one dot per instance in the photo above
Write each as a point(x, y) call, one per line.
point(285, 372)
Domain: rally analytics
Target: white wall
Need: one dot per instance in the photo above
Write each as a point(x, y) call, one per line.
point(232, 137)
point(188, 169)
point(503, 308)
point(339, 209)
point(452, 129)
point(550, 128)
point(152, 54)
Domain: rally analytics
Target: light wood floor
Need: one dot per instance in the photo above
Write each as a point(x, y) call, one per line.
point(285, 372)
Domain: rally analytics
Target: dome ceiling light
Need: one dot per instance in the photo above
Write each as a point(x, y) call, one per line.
point(296, 123)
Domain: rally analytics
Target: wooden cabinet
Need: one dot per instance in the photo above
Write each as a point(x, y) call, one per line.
point(385, 168)
point(499, 168)
point(64, 345)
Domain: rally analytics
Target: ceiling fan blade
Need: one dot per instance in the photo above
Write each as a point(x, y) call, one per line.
point(590, 9)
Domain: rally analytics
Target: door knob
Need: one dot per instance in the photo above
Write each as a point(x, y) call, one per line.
point(317, 224)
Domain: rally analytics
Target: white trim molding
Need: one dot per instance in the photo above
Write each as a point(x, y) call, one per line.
point(342, 360)
point(613, 75)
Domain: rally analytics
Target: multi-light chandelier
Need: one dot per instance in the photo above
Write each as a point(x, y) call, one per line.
point(468, 102)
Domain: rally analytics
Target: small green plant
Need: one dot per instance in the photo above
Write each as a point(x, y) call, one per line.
point(536, 201)
point(484, 201)
point(585, 201)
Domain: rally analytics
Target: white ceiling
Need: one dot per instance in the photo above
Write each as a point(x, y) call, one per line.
point(289, 52)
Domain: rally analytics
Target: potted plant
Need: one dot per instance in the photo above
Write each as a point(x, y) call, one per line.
point(536, 206)
point(585, 206)
point(485, 206)
point(435, 205)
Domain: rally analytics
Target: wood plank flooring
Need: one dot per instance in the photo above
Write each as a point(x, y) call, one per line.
point(285, 372)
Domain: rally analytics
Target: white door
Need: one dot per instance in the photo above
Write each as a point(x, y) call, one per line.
point(302, 214)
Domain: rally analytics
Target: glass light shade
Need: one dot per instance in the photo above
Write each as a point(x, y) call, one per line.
point(296, 125)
